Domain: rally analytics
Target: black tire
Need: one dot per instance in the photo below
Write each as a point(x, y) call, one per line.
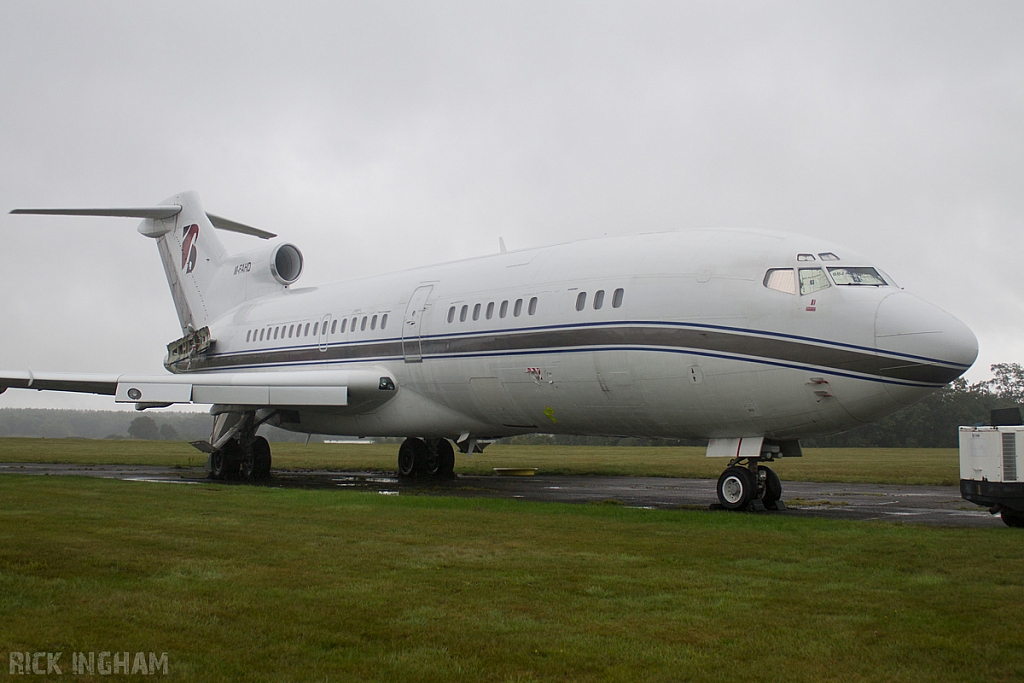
point(247, 464)
point(411, 454)
point(1012, 518)
point(261, 459)
point(772, 486)
point(736, 488)
point(224, 463)
point(446, 459)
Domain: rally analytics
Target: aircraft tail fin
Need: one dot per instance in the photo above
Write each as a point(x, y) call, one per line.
point(204, 278)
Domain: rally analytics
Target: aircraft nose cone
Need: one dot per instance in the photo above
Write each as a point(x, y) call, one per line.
point(908, 325)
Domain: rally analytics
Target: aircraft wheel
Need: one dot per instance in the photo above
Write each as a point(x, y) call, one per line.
point(411, 455)
point(260, 458)
point(224, 462)
point(446, 458)
point(772, 487)
point(736, 488)
point(1012, 518)
point(247, 464)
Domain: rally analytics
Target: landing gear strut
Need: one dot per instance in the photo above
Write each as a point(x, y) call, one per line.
point(235, 450)
point(426, 458)
point(750, 485)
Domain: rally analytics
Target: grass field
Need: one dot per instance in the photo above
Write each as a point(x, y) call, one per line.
point(240, 583)
point(937, 466)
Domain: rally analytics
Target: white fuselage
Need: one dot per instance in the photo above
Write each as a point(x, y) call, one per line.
point(695, 346)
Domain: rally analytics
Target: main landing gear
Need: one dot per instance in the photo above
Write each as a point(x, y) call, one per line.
point(748, 485)
point(426, 458)
point(234, 461)
point(236, 452)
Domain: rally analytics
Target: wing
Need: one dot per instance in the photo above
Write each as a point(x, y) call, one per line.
point(364, 388)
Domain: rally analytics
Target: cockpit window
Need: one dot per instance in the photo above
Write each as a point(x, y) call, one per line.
point(857, 276)
point(780, 279)
point(812, 279)
point(828, 256)
point(805, 257)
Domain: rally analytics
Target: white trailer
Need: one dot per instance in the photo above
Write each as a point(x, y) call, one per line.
point(991, 471)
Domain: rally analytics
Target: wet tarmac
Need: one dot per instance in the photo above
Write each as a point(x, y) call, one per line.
point(935, 505)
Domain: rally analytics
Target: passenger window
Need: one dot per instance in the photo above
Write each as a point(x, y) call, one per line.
point(373, 322)
point(291, 331)
point(518, 308)
point(362, 325)
point(334, 325)
point(248, 334)
point(598, 299)
point(828, 256)
point(503, 309)
point(617, 297)
point(275, 332)
point(463, 312)
point(316, 328)
point(352, 327)
point(476, 312)
point(344, 324)
point(384, 321)
point(490, 310)
point(581, 302)
point(781, 280)
point(261, 334)
point(533, 305)
point(805, 257)
point(306, 333)
point(812, 279)
point(857, 276)
point(451, 314)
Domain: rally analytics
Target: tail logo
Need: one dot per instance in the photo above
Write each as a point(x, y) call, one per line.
point(188, 248)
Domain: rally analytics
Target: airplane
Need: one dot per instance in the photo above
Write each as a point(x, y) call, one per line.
point(748, 339)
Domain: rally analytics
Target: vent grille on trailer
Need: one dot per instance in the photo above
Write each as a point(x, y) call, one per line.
point(1009, 456)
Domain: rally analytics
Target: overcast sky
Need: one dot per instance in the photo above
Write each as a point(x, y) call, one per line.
point(379, 136)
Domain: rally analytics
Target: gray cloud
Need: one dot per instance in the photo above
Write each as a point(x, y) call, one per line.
point(388, 135)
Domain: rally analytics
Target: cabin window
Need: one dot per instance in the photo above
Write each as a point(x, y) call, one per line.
point(261, 334)
point(291, 331)
point(275, 332)
point(828, 256)
point(334, 325)
point(451, 314)
point(805, 257)
point(362, 325)
point(355, 321)
point(617, 297)
point(857, 276)
point(812, 280)
point(306, 333)
point(476, 312)
point(781, 280)
point(581, 301)
point(533, 305)
point(316, 328)
point(463, 312)
point(598, 299)
point(373, 322)
point(503, 309)
point(384, 321)
point(490, 310)
point(344, 324)
point(248, 334)
point(518, 308)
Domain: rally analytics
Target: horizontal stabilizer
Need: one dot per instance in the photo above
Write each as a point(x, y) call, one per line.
point(231, 226)
point(152, 212)
point(155, 212)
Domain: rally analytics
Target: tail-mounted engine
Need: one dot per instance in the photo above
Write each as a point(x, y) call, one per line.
point(276, 263)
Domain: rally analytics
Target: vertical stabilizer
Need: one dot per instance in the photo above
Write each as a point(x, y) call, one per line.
point(193, 258)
